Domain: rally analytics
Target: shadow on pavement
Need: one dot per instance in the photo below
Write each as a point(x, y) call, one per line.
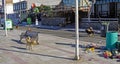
point(19, 47)
point(118, 60)
point(17, 41)
point(49, 27)
point(72, 45)
point(36, 54)
point(100, 55)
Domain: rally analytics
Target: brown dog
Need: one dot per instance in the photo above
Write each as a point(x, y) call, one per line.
point(90, 31)
point(30, 42)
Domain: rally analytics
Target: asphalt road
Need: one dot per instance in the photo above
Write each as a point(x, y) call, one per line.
point(68, 34)
point(52, 49)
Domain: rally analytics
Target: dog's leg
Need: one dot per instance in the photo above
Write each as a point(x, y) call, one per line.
point(31, 46)
point(27, 46)
point(37, 42)
point(20, 38)
point(90, 35)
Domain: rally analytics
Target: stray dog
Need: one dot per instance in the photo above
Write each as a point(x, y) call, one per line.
point(30, 42)
point(30, 33)
point(90, 31)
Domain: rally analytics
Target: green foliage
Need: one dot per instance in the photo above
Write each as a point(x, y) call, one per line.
point(46, 10)
point(36, 10)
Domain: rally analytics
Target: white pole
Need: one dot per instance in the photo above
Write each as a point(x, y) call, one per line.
point(77, 32)
point(89, 12)
point(36, 22)
point(5, 17)
point(20, 9)
point(93, 2)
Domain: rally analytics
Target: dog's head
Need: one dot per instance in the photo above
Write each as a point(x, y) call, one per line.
point(28, 39)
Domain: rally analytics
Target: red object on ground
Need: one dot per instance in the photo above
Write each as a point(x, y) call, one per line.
point(105, 55)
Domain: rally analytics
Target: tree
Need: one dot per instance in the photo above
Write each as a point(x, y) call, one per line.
point(47, 10)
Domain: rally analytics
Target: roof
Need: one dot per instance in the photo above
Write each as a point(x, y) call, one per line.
point(43, 2)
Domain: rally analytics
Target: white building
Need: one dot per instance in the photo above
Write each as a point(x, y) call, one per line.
point(20, 7)
point(9, 6)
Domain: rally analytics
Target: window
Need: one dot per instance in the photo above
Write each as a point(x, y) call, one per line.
point(16, 7)
point(110, 0)
point(21, 5)
point(13, 6)
point(24, 5)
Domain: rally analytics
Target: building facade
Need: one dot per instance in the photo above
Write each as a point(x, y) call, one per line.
point(107, 8)
point(9, 6)
point(21, 7)
point(70, 4)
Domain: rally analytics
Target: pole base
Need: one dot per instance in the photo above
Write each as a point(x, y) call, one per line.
point(80, 59)
point(77, 58)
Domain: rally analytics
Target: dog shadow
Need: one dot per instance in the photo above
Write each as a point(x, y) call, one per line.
point(18, 47)
point(81, 35)
point(18, 41)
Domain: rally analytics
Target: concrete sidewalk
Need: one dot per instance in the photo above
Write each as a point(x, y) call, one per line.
point(52, 50)
point(62, 28)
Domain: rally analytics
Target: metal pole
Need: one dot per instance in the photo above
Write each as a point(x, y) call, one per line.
point(5, 17)
point(20, 10)
point(93, 1)
point(89, 11)
point(77, 32)
point(107, 26)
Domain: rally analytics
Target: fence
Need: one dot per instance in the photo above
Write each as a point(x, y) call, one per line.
point(52, 21)
point(96, 23)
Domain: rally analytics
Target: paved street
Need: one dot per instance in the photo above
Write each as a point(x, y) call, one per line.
point(67, 33)
point(53, 49)
point(56, 24)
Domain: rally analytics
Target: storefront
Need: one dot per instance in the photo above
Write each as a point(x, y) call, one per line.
point(107, 8)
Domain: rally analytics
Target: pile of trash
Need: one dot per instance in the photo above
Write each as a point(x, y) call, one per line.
point(112, 54)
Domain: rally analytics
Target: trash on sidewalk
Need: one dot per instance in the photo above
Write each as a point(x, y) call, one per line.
point(91, 47)
point(89, 50)
point(107, 54)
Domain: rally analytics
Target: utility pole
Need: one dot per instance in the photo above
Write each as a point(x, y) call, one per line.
point(20, 10)
point(77, 31)
point(5, 17)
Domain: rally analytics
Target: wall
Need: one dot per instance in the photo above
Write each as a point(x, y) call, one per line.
point(9, 8)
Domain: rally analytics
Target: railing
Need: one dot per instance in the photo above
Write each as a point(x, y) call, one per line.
point(53, 21)
point(99, 19)
point(96, 23)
